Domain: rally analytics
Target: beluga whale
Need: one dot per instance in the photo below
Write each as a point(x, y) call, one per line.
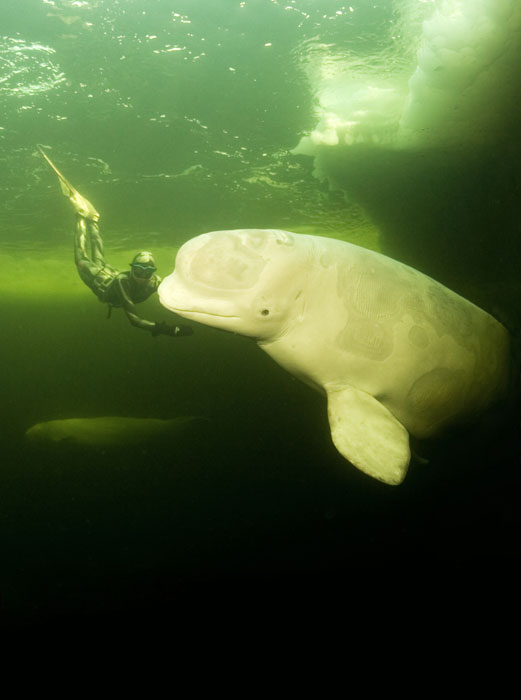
point(111, 432)
point(396, 353)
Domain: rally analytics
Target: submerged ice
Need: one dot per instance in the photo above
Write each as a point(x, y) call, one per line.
point(422, 132)
point(443, 78)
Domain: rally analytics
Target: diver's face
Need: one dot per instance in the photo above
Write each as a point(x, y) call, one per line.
point(141, 273)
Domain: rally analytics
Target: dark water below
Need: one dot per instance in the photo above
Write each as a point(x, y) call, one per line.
point(257, 506)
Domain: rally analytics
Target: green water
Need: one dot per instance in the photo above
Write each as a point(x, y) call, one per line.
point(176, 118)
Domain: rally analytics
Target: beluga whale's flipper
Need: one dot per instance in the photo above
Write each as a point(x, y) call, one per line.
point(368, 435)
point(81, 205)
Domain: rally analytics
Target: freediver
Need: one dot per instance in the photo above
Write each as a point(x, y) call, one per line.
point(117, 289)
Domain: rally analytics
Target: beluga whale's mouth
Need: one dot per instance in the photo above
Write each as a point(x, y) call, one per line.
point(194, 313)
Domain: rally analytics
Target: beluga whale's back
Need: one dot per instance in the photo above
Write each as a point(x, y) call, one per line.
point(396, 353)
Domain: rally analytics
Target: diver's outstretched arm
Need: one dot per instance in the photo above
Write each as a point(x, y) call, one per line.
point(158, 327)
point(81, 205)
point(139, 322)
point(155, 328)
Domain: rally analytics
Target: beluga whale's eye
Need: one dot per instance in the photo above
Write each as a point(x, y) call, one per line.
point(265, 312)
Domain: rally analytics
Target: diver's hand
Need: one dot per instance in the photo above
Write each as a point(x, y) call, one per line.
point(182, 330)
point(162, 328)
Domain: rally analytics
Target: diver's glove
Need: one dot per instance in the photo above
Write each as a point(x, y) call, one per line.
point(162, 328)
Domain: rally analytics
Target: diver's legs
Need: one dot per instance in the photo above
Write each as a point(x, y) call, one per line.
point(87, 267)
point(96, 243)
point(88, 232)
point(80, 242)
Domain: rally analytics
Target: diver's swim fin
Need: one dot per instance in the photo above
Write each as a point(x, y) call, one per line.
point(82, 206)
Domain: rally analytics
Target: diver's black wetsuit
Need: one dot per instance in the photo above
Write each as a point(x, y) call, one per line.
point(117, 289)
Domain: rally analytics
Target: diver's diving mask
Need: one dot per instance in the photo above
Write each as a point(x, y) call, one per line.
point(143, 271)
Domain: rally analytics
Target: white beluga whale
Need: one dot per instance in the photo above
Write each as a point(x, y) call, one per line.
point(395, 352)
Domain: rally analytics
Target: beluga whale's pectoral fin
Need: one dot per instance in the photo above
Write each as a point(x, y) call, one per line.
point(81, 205)
point(368, 435)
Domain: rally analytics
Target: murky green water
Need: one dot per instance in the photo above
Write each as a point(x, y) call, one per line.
point(176, 118)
